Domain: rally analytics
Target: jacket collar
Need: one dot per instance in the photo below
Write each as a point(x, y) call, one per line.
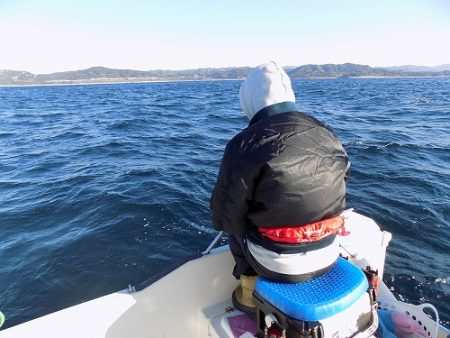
point(274, 109)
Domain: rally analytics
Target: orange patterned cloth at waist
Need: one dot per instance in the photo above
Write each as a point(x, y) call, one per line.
point(306, 233)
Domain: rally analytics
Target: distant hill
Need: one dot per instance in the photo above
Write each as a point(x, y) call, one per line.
point(105, 75)
point(355, 70)
point(410, 68)
point(97, 73)
point(13, 76)
point(342, 70)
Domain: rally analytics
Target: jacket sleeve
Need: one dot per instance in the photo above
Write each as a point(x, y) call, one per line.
point(233, 189)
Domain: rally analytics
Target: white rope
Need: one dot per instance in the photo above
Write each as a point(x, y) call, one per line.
point(212, 243)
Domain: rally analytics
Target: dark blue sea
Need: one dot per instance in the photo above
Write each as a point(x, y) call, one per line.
point(102, 186)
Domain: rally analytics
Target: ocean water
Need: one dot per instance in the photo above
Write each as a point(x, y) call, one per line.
point(102, 186)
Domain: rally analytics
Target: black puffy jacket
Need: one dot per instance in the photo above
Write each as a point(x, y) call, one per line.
point(283, 169)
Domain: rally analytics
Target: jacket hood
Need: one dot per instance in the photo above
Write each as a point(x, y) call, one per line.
point(266, 85)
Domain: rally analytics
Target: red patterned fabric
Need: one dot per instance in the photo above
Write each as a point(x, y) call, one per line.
point(306, 233)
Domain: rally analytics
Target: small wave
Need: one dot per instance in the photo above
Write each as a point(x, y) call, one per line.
point(442, 280)
point(120, 124)
point(69, 135)
point(392, 145)
point(7, 134)
point(424, 100)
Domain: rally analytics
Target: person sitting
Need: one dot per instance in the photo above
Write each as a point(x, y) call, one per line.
point(280, 189)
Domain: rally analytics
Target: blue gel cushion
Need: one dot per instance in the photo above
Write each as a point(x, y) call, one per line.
point(317, 298)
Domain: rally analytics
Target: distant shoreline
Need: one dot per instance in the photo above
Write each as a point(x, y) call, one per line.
point(88, 83)
point(121, 81)
point(103, 75)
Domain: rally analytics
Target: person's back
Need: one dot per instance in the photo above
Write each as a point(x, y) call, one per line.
point(283, 173)
point(286, 169)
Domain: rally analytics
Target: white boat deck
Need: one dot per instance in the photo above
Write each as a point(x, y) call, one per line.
point(191, 301)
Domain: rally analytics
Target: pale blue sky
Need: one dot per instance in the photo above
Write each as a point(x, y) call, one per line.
point(49, 35)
